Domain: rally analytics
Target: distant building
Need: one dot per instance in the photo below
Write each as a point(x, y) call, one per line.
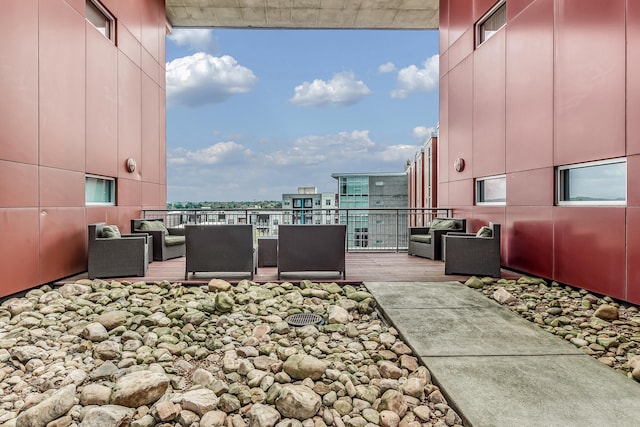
point(379, 195)
point(423, 182)
point(307, 206)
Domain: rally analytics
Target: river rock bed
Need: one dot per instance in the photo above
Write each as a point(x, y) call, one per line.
point(598, 325)
point(108, 353)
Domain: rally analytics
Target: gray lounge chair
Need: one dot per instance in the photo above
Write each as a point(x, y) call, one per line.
point(471, 255)
point(426, 242)
point(116, 257)
point(311, 248)
point(167, 242)
point(220, 248)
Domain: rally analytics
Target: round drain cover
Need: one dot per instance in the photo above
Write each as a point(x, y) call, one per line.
point(303, 319)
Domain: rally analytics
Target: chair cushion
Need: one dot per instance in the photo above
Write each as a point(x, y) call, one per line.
point(443, 224)
point(173, 240)
point(110, 232)
point(422, 238)
point(484, 232)
point(153, 226)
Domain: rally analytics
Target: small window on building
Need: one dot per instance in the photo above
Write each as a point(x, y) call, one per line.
point(287, 202)
point(99, 190)
point(594, 183)
point(100, 18)
point(327, 202)
point(379, 183)
point(490, 23)
point(379, 202)
point(491, 190)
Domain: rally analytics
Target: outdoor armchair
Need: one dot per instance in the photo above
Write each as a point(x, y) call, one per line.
point(167, 242)
point(473, 254)
point(310, 247)
point(121, 255)
point(221, 248)
point(427, 241)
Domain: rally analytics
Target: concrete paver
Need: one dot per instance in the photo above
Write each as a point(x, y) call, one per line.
point(500, 370)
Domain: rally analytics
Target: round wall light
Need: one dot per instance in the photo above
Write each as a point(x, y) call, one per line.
point(131, 164)
point(458, 165)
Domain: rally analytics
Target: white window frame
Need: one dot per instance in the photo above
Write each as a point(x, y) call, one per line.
point(110, 28)
point(112, 195)
point(561, 184)
point(481, 37)
point(479, 191)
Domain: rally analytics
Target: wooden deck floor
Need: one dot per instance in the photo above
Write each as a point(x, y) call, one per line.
point(361, 267)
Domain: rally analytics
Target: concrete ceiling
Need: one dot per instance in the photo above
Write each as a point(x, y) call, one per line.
point(309, 14)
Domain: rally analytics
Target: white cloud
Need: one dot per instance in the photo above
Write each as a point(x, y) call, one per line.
point(388, 67)
point(316, 149)
point(202, 79)
point(414, 79)
point(422, 133)
point(199, 39)
point(342, 89)
point(228, 152)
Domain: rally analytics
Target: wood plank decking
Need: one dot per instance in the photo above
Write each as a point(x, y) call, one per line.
point(361, 267)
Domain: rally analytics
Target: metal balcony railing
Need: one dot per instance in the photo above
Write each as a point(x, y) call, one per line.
point(371, 229)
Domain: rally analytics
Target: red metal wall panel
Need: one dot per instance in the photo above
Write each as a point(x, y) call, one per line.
point(633, 77)
point(529, 88)
point(149, 169)
point(489, 107)
point(461, 48)
point(60, 187)
point(633, 255)
point(633, 178)
point(516, 6)
point(460, 119)
point(444, 25)
point(590, 80)
point(19, 261)
point(461, 193)
point(19, 81)
point(460, 18)
point(101, 104)
point(129, 115)
point(61, 67)
point(130, 14)
point(26, 193)
point(531, 188)
point(128, 44)
point(589, 248)
point(528, 232)
point(63, 242)
point(443, 131)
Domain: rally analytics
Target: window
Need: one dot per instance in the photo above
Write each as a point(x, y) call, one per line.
point(100, 18)
point(99, 190)
point(594, 183)
point(327, 202)
point(490, 23)
point(491, 190)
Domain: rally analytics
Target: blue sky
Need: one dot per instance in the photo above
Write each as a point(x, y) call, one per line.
point(253, 114)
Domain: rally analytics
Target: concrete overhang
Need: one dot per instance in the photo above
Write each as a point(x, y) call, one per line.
point(307, 14)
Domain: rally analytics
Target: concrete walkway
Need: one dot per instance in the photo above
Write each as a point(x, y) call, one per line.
point(498, 369)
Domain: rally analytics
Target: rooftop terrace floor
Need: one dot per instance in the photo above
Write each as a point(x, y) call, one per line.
point(360, 266)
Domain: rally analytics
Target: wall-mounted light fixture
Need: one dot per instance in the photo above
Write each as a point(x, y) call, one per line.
point(458, 164)
point(131, 164)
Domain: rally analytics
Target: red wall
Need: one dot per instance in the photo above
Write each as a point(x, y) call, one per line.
point(74, 103)
point(559, 84)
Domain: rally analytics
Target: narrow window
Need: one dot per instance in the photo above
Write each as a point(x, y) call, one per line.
point(101, 19)
point(593, 183)
point(490, 23)
point(491, 190)
point(100, 191)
